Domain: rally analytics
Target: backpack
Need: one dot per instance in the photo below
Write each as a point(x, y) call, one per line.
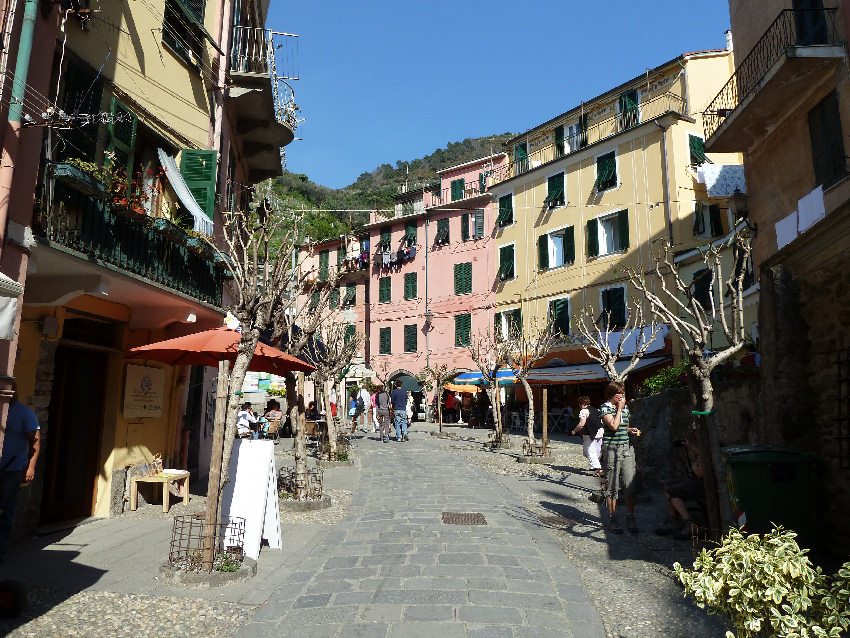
point(593, 422)
point(361, 407)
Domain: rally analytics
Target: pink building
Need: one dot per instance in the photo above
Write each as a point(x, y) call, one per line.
point(432, 272)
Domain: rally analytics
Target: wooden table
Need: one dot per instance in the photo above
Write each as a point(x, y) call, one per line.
point(166, 479)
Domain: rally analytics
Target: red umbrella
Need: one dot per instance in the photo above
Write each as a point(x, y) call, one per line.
point(209, 347)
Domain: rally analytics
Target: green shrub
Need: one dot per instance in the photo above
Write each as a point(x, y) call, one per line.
point(767, 586)
point(669, 377)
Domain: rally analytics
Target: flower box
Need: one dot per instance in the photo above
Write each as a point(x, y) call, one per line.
point(78, 180)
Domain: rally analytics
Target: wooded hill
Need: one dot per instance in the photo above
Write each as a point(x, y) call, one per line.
point(374, 189)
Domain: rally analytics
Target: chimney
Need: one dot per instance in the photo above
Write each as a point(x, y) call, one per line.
point(728, 39)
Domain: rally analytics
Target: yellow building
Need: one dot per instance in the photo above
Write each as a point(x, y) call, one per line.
point(593, 188)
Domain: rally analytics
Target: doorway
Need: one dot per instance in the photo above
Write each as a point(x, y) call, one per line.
point(75, 428)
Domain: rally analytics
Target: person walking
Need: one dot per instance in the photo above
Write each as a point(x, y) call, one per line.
point(364, 402)
point(590, 427)
point(352, 410)
point(376, 425)
point(399, 403)
point(333, 402)
point(21, 446)
point(382, 409)
point(618, 456)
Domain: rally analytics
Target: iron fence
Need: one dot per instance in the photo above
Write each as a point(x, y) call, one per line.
point(189, 534)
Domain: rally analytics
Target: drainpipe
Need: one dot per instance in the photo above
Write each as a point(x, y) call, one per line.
point(666, 181)
point(427, 302)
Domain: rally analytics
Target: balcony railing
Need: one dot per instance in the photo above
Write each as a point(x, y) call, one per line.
point(472, 188)
point(596, 132)
point(793, 27)
point(93, 227)
point(253, 51)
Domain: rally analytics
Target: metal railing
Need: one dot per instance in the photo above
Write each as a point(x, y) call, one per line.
point(595, 132)
point(792, 27)
point(91, 226)
point(253, 51)
point(472, 188)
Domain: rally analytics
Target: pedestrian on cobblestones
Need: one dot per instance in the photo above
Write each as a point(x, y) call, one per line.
point(591, 430)
point(399, 403)
point(382, 409)
point(618, 456)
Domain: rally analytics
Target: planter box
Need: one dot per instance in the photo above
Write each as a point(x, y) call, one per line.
point(78, 180)
point(170, 230)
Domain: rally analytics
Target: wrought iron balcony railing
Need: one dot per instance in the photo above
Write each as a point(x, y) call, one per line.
point(595, 132)
point(792, 28)
point(460, 191)
point(130, 242)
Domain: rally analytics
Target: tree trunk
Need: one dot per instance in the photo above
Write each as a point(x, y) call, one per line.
point(214, 483)
point(439, 409)
point(497, 417)
point(298, 439)
point(332, 434)
point(247, 347)
point(530, 394)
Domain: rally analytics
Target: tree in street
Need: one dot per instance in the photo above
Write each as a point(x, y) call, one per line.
point(438, 375)
point(488, 354)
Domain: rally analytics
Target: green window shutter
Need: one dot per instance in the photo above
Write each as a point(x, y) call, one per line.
point(606, 171)
point(592, 238)
point(569, 245)
point(350, 333)
point(715, 220)
point(199, 170)
point(384, 294)
point(83, 93)
point(506, 210)
point(497, 324)
point(324, 258)
point(828, 155)
point(559, 315)
point(386, 235)
point(350, 295)
point(464, 227)
point(559, 141)
point(555, 190)
point(122, 137)
point(469, 277)
point(457, 189)
point(463, 278)
point(699, 218)
point(697, 148)
point(410, 285)
point(463, 326)
point(506, 263)
point(385, 341)
point(333, 301)
point(479, 224)
point(482, 181)
point(623, 228)
point(514, 321)
point(543, 251)
point(520, 152)
point(340, 256)
point(410, 337)
point(410, 233)
point(613, 308)
point(314, 301)
point(442, 232)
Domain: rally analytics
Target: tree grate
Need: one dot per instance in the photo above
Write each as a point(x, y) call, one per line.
point(464, 518)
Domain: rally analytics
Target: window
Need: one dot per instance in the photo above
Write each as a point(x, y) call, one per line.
point(340, 255)
point(482, 181)
point(697, 147)
point(555, 191)
point(556, 249)
point(324, 259)
point(410, 285)
point(608, 234)
point(520, 158)
point(384, 294)
point(606, 171)
point(628, 112)
point(350, 295)
point(385, 341)
point(410, 337)
point(476, 218)
point(506, 263)
point(559, 315)
point(506, 211)
point(314, 301)
point(701, 288)
point(442, 237)
point(463, 278)
point(83, 90)
point(613, 314)
point(463, 330)
point(350, 333)
point(182, 29)
point(507, 323)
point(410, 233)
point(715, 221)
point(811, 24)
point(200, 172)
point(122, 138)
point(827, 142)
point(560, 148)
point(457, 189)
point(385, 241)
point(333, 301)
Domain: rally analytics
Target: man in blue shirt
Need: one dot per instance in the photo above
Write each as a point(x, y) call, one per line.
point(398, 397)
point(21, 445)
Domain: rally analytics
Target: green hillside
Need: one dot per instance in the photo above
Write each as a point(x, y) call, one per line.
point(374, 189)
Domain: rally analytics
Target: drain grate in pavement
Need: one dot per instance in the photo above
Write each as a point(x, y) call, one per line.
point(557, 521)
point(464, 518)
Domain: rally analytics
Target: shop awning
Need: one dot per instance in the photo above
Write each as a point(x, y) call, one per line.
point(456, 387)
point(585, 372)
point(202, 223)
point(503, 377)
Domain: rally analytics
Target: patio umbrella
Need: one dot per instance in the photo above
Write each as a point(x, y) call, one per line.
point(455, 387)
point(209, 347)
point(409, 384)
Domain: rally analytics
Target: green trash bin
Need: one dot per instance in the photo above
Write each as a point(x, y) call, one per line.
point(770, 486)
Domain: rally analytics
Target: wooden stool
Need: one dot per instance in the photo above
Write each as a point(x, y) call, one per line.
point(166, 478)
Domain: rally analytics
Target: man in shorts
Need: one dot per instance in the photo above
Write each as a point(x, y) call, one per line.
point(618, 456)
point(679, 490)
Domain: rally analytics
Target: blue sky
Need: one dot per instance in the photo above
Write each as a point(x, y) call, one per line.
point(384, 81)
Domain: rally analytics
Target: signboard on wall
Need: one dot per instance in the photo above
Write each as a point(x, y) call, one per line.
point(144, 392)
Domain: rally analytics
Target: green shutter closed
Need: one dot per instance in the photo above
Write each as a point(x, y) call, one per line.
point(559, 315)
point(520, 152)
point(623, 229)
point(592, 238)
point(457, 189)
point(410, 233)
point(463, 328)
point(350, 295)
point(333, 302)
point(506, 211)
point(384, 293)
point(463, 278)
point(314, 301)
point(543, 252)
point(386, 235)
point(384, 341)
point(569, 245)
point(340, 256)
point(410, 337)
point(122, 137)
point(613, 308)
point(497, 324)
point(559, 141)
point(464, 227)
point(410, 285)
point(506, 262)
point(555, 190)
point(323, 265)
point(479, 224)
point(442, 232)
point(350, 333)
point(199, 170)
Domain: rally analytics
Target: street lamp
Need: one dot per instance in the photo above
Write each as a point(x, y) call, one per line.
point(429, 316)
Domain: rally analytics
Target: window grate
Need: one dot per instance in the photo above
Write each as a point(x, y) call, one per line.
point(843, 361)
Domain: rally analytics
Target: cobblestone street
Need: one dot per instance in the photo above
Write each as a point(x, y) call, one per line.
point(382, 562)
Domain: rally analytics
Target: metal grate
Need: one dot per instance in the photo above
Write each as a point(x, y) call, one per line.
point(464, 518)
point(188, 535)
point(843, 364)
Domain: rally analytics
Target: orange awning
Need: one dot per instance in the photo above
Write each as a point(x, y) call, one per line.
point(453, 387)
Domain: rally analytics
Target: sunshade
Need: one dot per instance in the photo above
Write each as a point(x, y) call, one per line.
point(503, 377)
point(454, 387)
point(209, 347)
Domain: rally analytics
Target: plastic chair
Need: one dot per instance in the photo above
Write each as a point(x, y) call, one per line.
point(271, 430)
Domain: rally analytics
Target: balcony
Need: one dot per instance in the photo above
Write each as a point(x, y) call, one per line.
point(797, 53)
point(263, 99)
point(151, 249)
point(599, 130)
point(470, 193)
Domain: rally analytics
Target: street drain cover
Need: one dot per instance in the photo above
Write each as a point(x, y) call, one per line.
point(556, 521)
point(464, 518)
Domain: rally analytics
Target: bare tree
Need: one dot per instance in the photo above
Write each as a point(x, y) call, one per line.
point(694, 320)
point(602, 343)
point(522, 349)
point(488, 354)
point(438, 375)
point(334, 349)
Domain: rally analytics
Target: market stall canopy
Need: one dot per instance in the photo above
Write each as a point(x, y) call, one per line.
point(209, 347)
point(585, 372)
point(454, 387)
point(503, 377)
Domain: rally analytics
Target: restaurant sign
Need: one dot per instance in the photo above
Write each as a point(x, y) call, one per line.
point(144, 392)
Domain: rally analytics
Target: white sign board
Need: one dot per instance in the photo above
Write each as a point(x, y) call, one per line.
point(144, 392)
point(252, 494)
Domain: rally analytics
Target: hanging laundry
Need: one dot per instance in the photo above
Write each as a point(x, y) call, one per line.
point(412, 253)
point(401, 255)
point(386, 260)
